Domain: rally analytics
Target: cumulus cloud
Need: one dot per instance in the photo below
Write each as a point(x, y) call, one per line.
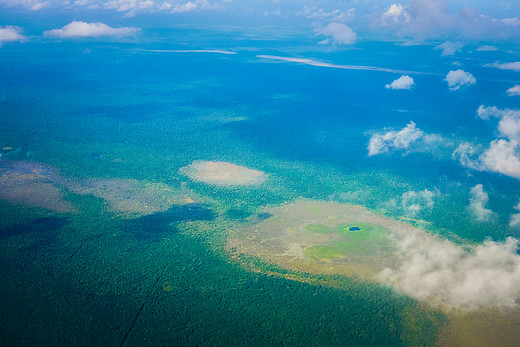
point(403, 82)
point(443, 273)
point(459, 78)
point(515, 90)
point(10, 33)
point(466, 154)
point(78, 29)
point(488, 112)
point(428, 19)
point(395, 14)
point(401, 140)
point(477, 204)
point(515, 66)
point(449, 48)
point(502, 157)
point(509, 124)
point(515, 217)
point(339, 32)
point(413, 202)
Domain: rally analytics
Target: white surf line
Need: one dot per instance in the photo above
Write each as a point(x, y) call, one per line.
point(187, 51)
point(345, 67)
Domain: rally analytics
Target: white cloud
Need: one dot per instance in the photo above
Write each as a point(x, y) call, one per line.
point(487, 48)
point(477, 204)
point(335, 15)
point(78, 29)
point(466, 154)
point(129, 7)
point(339, 32)
point(10, 33)
point(395, 14)
point(502, 157)
point(403, 82)
point(429, 19)
point(515, 90)
point(515, 66)
point(413, 202)
point(449, 48)
point(515, 217)
point(402, 140)
point(488, 112)
point(511, 21)
point(459, 78)
point(444, 273)
point(509, 124)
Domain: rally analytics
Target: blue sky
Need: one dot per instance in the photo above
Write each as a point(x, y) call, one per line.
point(417, 20)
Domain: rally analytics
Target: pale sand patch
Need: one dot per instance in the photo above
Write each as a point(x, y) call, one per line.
point(30, 183)
point(221, 173)
point(130, 197)
point(286, 237)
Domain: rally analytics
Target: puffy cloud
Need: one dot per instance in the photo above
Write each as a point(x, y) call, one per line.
point(488, 112)
point(466, 153)
point(413, 202)
point(477, 204)
point(515, 66)
point(395, 14)
point(444, 273)
point(402, 139)
point(403, 82)
point(78, 29)
point(459, 78)
point(509, 124)
point(449, 48)
point(10, 33)
point(339, 32)
point(515, 90)
point(502, 157)
point(427, 19)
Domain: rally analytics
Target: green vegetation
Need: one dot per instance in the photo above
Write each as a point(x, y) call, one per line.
point(318, 228)
point(324, 252)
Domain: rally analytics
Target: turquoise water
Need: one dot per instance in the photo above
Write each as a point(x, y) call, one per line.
point(114, 111)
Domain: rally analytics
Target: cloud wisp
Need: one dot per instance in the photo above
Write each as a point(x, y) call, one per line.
point(394, 140)
point(449, 48)
point(514, 66)
point(403, 82)
point(459, 78)
point(79, 29)
point(514, 91)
